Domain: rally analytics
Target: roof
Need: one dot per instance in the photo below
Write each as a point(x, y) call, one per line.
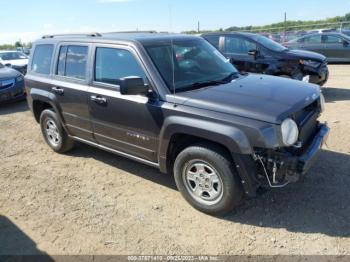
point(231, 33)
point(118, 36)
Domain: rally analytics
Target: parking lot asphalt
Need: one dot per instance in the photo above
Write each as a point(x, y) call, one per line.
point(93, 202)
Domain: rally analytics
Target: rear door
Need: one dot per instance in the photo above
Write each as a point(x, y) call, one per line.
point(127, 123)
point(70, 87)
point(336, 47)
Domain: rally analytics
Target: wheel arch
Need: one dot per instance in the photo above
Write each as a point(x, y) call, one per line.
point(182, 132)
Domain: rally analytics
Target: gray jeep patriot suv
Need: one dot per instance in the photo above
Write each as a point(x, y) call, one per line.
point(174, 102)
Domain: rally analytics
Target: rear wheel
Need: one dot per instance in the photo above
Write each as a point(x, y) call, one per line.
point(53, 132)
point(206, 178)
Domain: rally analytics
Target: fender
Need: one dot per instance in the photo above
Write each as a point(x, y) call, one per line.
point(47, 97)
point(231, 137)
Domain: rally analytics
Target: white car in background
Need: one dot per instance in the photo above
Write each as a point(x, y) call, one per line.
point(16, 60)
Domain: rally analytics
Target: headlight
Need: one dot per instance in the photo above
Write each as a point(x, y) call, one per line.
point(322, 103)
point(310, 63)
point(290, 132)
point(19, 78)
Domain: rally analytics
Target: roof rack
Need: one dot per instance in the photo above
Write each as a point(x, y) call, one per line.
point(132, 32)
point(82, 34)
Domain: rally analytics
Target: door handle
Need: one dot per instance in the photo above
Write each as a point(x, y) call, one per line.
point(57, 90)
point(99, 100)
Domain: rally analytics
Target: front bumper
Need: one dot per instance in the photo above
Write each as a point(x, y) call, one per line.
point(288, 165)
point(14, 93)
point(306, 160)
point(301, 164)
point(319, 76)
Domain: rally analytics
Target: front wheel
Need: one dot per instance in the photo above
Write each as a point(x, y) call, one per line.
point(206, 178)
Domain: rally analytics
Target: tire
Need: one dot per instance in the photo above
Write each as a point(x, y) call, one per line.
point(53, 132)
point(218, 196)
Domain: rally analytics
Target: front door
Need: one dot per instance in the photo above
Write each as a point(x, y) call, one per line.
point(127, 123)
point(337, 49)
point(237, 49)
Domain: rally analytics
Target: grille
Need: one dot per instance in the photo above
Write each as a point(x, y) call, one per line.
point(306, 120)
point(7, 83)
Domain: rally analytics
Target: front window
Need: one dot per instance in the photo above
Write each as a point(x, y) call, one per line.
point(12, 56)
point(189, 64)
point(331, 39)
point(269, 44)
point(238, 45)
point(112, 64)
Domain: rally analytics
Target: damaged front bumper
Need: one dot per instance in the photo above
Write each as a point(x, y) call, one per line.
point(282, 167)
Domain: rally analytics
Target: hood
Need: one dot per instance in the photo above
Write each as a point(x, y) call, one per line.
point(7, 72)
point(305, 55)
point(261, 97)
point(17, 62)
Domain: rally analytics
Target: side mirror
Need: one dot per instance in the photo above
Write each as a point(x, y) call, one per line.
point(253, 52)
point(133, 85)
point(345, 43)
point(8, 65)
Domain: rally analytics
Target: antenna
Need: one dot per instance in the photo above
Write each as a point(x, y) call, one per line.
point(172, 49)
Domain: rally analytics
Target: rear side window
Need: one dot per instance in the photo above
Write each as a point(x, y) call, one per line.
point(72, 61)
point(315, 39)
point(113, 64)
point(214, 40)
point(42, 56)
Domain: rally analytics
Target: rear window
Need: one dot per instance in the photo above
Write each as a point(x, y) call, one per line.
point(72, 61)
point(42, 56)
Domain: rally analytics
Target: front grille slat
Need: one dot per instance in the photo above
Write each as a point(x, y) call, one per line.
point(307, 122)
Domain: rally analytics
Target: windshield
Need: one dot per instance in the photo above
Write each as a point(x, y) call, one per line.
point(269, 44)
point(12, 56)
point(189, 64)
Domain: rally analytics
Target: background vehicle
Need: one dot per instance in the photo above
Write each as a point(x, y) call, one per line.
point(11, 84)
point(255, 53)
point(335, 46)
point(16, 60)
point(174, 102)
point(24, 50)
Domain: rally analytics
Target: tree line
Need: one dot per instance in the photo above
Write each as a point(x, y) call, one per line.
point(15, 45)
point(287, 26)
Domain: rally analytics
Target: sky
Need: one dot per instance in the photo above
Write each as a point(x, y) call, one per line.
point(27, 20)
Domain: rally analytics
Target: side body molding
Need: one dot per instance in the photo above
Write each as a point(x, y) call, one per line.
point(229, 136)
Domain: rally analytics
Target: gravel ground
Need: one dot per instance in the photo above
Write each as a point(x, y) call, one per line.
point(93, 202)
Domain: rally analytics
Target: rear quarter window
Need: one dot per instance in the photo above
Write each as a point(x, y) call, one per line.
point(42, 57)
point(214, 40)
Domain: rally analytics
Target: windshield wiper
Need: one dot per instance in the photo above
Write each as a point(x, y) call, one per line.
point(204, 84)
point(230, 77)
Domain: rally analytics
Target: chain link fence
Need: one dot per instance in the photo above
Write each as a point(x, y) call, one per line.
point(287, 33)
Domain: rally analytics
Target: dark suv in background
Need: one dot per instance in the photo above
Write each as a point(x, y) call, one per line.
point(258, 54)
point(175, 103)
